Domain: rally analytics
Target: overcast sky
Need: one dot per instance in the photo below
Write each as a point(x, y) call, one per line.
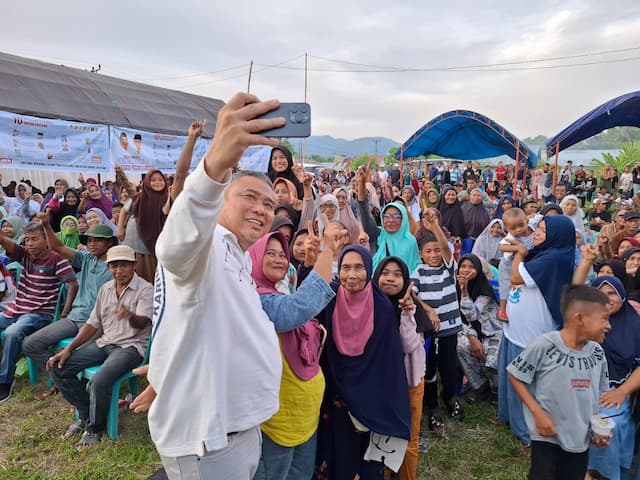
point(174, 43)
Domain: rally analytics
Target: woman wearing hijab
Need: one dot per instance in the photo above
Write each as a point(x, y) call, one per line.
point(479, 340)
point(289, 212)
point(392, 277)
point(286, 195)
point(289, 441)
point(570, 206)
point(504, 203)
point(409, 196)
point(12, 228)
point(95, 216)
point(625, 244)
point(475, 215)
point(533, 305)
point(59, 209)
point(451, 213)
point(281, 165)
point(69, 234)
point(312, 211)
point(487, 245)
point(428, 199)
point(144, 217)
point(60, 185)
point(622, 349)
point(93, 197)
point(366, 402)
point(347, 217)
point(22, 205)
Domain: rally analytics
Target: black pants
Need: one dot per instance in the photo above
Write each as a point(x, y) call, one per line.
point(443, 358)
point(550, 462)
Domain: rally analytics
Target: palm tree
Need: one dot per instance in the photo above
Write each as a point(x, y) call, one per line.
point(628, 156)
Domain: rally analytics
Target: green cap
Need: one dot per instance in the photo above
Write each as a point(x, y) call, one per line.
point(99, 231)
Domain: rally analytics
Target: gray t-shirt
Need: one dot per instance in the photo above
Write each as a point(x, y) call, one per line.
point(567, 385)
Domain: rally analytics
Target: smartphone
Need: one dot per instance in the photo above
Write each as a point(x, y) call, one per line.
point(297, 117)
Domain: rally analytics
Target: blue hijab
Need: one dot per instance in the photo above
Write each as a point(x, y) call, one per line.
point(399, 244)
point(373, 385)
point(499, 210)
point(622, 344)
point(550, 264)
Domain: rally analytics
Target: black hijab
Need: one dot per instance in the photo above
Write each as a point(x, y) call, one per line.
point(65, 209)
point(452, 217)
point(477, 287)
point(423, 323)
point(288, 173)
point(294, 215)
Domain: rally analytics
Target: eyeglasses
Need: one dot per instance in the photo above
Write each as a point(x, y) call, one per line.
point(395, 216)
point(327, 206)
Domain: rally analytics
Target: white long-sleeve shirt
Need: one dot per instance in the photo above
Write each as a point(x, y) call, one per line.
point(215, 360)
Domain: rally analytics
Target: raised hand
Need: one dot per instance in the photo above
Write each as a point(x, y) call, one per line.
point(463, 282)
point(311, 246)
point(333, 235)
point(589, 252)
point(298, 171)
point(430, 220)
point(406, 302)
point(196, 128)
point(43, 218)
point(363, 237)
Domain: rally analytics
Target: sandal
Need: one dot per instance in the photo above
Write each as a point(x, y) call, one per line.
point(49, 392)
point(74, 429)
point(88, 439)
point(455, 410)
point(436, 424)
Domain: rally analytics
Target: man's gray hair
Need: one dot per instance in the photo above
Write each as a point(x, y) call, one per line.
point(247, 173)
point(33, 227)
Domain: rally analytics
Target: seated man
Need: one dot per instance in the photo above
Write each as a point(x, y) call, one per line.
point(43, 273)
point(123, 314)
point(93, 274)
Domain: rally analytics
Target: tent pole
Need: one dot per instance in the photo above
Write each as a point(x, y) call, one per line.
point(555, 168)
point(401, 165)
point(515, 191)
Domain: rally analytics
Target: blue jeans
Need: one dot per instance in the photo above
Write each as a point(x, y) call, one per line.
point(286, 463)
point(15, 330)
point(509, 404)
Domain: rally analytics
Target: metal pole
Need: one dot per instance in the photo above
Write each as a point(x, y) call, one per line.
point(401, 165)
point(249, 81)
point(515, 191)
point(555, 168)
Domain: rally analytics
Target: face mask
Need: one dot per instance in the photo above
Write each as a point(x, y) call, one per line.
point(68, 231)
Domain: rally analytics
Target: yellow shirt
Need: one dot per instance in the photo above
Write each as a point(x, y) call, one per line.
point(297, 419)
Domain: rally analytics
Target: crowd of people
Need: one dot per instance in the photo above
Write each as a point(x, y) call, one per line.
point(305, 326)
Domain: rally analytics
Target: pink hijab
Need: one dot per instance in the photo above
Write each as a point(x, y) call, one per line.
point(348, 219)
point(300, 346)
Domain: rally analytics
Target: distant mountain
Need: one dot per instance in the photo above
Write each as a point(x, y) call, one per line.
point(327, 146)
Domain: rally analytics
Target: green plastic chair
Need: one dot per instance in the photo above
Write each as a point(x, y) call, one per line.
point(134, 389)
point(33, 369)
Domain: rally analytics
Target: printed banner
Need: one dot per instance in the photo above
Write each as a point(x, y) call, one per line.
point(137, 151)
point(256, 158)
point(35, 143)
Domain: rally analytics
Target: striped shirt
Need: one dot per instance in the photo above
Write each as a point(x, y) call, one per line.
point(40, 283)
point(437, 288)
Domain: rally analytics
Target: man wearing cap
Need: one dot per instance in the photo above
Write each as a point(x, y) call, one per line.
point(122, 313)
point(93, 274)
point(599, 216)
point(631, 224)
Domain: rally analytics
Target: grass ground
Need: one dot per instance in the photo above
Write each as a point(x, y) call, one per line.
point(30, 447)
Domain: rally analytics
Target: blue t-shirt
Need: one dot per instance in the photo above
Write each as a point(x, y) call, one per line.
point(93, 274)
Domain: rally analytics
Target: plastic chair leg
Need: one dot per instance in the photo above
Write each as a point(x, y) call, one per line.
point(112, 418)
point(33, 371)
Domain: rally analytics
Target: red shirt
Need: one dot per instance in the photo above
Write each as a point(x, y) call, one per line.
point(40, 283)
point(501, 173)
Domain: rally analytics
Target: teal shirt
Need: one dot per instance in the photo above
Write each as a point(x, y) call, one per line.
point(93, 274)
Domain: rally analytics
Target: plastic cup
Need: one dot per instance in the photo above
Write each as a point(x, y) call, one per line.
point(601, 427)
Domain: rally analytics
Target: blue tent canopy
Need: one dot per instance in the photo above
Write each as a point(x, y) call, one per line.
point(623, 111)
point(465, 135)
